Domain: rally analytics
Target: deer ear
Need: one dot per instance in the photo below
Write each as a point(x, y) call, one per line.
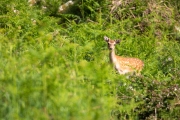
point(106, 38)
point(117, 41)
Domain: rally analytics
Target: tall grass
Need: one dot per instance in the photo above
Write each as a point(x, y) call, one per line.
point(62, 71)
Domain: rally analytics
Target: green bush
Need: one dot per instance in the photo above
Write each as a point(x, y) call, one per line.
point(61, 71)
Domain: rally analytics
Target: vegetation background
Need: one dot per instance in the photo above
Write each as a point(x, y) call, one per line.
point(54, 64)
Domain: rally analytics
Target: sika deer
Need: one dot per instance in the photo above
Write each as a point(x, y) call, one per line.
point(123, 64)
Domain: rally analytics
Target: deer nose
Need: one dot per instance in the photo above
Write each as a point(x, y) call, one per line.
point(110, 48)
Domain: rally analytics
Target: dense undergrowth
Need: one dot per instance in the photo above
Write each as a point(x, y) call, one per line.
point(55, 66)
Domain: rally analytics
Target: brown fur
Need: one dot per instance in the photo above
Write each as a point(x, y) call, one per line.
point(123, 64)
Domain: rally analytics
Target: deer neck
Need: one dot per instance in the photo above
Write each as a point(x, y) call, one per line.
point(112, 56)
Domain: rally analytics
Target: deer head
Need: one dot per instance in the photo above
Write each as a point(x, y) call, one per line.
point(111, 43)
